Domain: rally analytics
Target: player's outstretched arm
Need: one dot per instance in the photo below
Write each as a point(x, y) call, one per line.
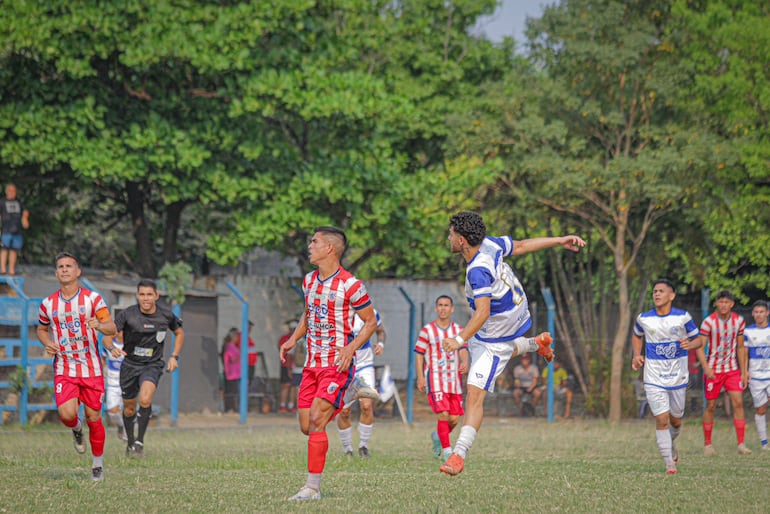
point(570, 242)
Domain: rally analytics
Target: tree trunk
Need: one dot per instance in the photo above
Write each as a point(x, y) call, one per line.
point(136, 201)
point(171, 231)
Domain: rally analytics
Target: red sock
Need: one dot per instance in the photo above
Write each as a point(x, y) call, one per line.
point(317, 446)
point(740, 429)
point(442, 429)
point(96, 436)
point(71, 423)
point(708, 428)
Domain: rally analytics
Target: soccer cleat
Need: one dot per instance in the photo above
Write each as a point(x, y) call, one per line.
point(348, 453)
point(436, 444)
point(359, 389)
point(282, 410)
point(674, 455)
point(97, 474)
point(544, 341)
point(122, 435)
point(671, 469)
point(453, 466)
point(138, 449)
point(363, 452)
point(765, 447)
point(743, 449)
point(307, 493)
point(80, 446)
point(708, 450)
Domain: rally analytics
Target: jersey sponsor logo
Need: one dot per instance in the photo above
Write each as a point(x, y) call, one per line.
point(160, 336)
point(143, 352)
point(764, 352)
point(320, 311)
point(322, 326)
point(148, 326)
point(666, 350)
point(332, 387)
point(70, 325)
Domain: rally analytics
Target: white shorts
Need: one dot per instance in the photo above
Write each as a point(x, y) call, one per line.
point(665, 400)
point(488, 361)
point(113, 398)
point(364, 375)
point(760, 392)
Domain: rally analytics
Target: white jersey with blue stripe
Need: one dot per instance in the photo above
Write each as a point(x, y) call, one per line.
point(665, 361)
point(757, 340)
point(487, 275)
point(365, 354)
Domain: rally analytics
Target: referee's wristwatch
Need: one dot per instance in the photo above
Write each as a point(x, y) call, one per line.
point(175, 357)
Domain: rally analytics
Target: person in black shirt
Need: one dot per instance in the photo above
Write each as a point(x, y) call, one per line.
point(15, 219)
point(144, 327)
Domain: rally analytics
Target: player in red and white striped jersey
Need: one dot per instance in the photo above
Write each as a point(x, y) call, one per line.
point(725, 366)
point(443, 369)
point(67, 326)
point(332, 297)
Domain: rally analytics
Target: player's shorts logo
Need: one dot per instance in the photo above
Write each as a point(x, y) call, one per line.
point(332, 387)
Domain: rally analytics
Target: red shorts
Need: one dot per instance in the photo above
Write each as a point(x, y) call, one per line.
point(730, 380)
point(446, 402)
point(89, 391)
point(326, 383)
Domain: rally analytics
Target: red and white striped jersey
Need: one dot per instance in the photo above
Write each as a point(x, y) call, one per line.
point(441, 368)
point(722, 336)
point(331, 305)
point(78, 344)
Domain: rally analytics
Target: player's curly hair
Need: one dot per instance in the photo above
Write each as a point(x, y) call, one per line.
point(470, 226)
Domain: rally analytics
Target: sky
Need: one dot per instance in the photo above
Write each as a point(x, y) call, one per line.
point(510, 18)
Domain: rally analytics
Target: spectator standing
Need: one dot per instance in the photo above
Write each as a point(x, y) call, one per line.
point(725, 367)
point(231, 361)
point(15, 219)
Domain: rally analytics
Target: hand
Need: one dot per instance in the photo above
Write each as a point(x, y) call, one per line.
point(286, 348)
point(450, 344)
point(377, 349)
point(708, 372)
point(172, 364)
point(51, 349)
point(117, 352)
point(684, 344)
point(744, 380)
point(463, 367)
point(573, 243)
point(637, 362)
point(93, 323)
point(344, 358)
point(421, 383)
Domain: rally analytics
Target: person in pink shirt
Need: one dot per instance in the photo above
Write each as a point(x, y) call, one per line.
point(231, 361)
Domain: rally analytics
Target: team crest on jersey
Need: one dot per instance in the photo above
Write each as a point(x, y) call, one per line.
point(332, 387)
point(332, 295)
point(160, 336)
point(82, 310)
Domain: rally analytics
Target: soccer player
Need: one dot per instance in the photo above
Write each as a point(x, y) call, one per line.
point(495, 332)
point(757, 342)
point(725, 366)
point(332, 295)
point(668, 334)
point(144, 327)
point(365, 373)
point(113, 396)
point(443, 369)
point(67, 325)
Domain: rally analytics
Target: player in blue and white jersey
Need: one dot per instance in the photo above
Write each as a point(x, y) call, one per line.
point(364, 373)
point(668, 334)
point(757, 343)
point(113, 399)
point(495, 332)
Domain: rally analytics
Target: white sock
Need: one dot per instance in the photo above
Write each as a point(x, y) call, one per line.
point(761, 422)
point(79, 426)
point(525, 345)
point(346, 437)
point(364, 434)
point(314, 481)
point(117, 418)
point(664, 445)
point(674, 432)
point(97, 462)
point(465, 441)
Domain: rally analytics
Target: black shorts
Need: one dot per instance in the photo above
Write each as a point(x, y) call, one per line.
point(133, 374)
point(285, 375)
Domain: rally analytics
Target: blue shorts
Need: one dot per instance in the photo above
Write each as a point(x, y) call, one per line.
point(12, 241)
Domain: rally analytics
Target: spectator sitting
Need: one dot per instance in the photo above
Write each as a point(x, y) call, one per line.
point(561, 389)
point(525, 377)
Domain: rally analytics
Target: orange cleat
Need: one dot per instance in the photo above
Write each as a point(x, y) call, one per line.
point(544, 341)
point(453, 465)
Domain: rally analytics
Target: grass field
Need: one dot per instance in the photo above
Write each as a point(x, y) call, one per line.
point(515, 466)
